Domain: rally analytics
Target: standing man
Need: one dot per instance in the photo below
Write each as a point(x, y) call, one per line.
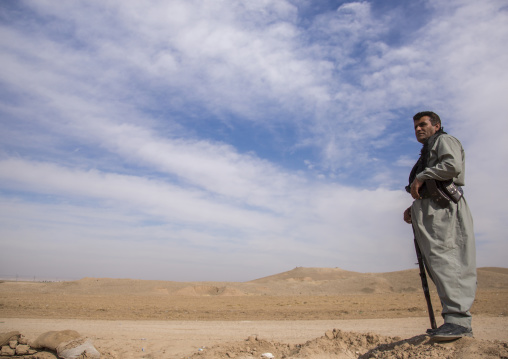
point(443, 230)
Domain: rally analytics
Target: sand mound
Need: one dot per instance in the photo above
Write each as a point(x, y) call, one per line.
point(346, 345)
point(333, 281)
point(326, 281)
point(307, 274)
point(200, 290)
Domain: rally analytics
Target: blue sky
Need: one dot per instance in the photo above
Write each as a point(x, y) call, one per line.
point(229, 140)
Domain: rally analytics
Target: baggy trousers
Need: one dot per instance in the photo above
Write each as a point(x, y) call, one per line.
point(446, 240)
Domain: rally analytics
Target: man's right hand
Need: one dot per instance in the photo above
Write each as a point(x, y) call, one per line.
point(415, 188)
point(407, 215)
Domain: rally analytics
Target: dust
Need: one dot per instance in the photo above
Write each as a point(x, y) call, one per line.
point(346, 345)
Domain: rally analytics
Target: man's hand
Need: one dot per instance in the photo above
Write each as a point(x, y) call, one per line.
point(415, 188)
point(407, 215)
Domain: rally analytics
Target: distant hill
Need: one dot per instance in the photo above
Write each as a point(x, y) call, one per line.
point(307, 274)
point(298, 281)
point(494, 269)
point(339, 281)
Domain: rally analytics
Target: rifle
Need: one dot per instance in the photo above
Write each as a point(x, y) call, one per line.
point(425, 284)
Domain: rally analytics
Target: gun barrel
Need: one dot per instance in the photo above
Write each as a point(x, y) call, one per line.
point(425, 285)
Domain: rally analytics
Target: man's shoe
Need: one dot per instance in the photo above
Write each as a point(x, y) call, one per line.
point(450, 331)
point(446, 326)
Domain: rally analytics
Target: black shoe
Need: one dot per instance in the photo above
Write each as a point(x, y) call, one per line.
point(433, 330)
point(449, 331)
point(442, 327)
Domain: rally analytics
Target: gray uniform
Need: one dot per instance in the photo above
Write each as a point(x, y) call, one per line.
point(446, 236)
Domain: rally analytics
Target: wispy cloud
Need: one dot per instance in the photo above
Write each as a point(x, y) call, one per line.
point(148, 211)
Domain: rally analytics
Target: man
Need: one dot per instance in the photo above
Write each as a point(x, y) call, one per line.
point(445, 235)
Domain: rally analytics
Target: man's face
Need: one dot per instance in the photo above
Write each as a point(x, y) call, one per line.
point(424, 129)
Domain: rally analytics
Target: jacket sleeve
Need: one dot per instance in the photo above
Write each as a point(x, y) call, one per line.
point(447, 160)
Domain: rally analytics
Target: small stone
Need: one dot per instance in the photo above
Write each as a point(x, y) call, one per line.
point(22, 349)
point(7, 351)
point(252, 338)
point(329, 334)
point(13, 344)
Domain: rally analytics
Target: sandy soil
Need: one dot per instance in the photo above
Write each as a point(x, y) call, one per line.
point(181, 339)
point(303, 313)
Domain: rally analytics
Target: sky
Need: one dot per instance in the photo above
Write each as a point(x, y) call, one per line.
point(226, 140)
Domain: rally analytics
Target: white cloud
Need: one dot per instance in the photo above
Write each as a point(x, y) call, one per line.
point(318, 225)
point(170, 202)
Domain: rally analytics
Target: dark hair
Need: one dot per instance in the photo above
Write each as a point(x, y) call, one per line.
point(434, 118)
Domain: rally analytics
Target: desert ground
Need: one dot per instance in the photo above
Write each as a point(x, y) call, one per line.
point(302, 313)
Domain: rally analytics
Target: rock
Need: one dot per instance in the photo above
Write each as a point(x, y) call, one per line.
point(7, 351)
point(252, 338)
point(44, 355)
point(22, 349)
point(5, 338)
point(329, 334)
point(22, 339)
point(13, 344)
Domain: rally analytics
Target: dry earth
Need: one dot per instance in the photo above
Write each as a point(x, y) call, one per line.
point(303, 313)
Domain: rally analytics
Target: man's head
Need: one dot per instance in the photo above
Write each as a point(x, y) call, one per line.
point(426, 123)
